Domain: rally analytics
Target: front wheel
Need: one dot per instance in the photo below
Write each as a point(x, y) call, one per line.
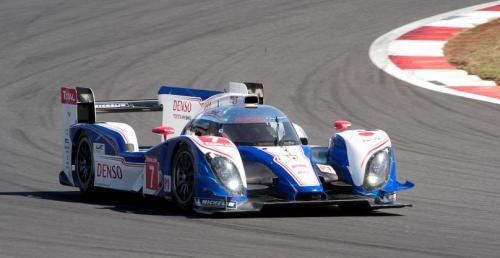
point(183, 178)
point(84, 165)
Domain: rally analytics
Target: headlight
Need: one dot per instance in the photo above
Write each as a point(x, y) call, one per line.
point(226, 172)
point(377, 170)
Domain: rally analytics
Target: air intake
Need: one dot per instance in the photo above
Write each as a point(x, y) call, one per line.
point(251, 100)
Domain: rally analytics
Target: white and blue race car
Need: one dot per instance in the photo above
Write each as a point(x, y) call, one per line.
point(224, 151)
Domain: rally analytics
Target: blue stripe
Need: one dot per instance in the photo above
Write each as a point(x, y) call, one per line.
point(203, 94)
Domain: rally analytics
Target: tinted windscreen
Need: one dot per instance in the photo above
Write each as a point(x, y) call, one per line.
point(261, 134)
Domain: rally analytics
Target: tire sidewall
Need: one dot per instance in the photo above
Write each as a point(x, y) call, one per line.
point(188, 204)
point(88, 186)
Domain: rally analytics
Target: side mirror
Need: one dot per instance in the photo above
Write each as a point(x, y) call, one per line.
point(164, 130)
point(342, 125)
point(301, 133)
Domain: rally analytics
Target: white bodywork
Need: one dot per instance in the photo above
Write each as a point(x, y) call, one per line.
point(361, 145)
point(68, 118)
point(221, 147)
point(125, 130)
point(293, 160)
point(116, 173)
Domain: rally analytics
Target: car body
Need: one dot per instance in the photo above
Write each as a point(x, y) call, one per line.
point(224, 151)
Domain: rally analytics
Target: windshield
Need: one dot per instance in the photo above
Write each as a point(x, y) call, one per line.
point(261, 134)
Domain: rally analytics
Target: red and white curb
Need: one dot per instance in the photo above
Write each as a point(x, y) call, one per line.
point(414, 53)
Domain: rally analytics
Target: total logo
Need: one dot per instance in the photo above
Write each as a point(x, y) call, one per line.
point(109, 171)
point(182, 105)
point(68, 96)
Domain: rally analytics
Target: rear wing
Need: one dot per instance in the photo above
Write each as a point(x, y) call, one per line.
point(81, 103)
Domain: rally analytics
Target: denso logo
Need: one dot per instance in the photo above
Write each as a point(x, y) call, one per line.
point(182, 105)
point(109, 171)
point(68, 96)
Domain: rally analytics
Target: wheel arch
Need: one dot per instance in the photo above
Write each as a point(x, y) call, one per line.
point(74, 144)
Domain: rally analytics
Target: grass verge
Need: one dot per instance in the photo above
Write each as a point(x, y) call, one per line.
point(477, 51)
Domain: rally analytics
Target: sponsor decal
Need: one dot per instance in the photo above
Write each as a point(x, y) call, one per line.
point(215, 113)
point(288, 157)
point(167, 183)
point(112, 105)
point(152, 174)
point(68, 96)
point(215, 141)
point(377, 138)
point(295, 163)
point(210, 203)
point(99, 149)
point(182, 105)
point(182, 117)
point(232, 205)
point(206, 105)
point(326, 169)
point(109, 171)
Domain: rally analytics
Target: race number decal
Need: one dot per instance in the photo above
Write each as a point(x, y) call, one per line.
point(167, 184)
point(152, 174)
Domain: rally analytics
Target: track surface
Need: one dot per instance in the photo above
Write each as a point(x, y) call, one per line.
point(313, 58)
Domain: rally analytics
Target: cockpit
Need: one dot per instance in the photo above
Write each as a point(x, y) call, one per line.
point(262, 126)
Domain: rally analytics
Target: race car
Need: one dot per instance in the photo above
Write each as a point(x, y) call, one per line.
point(224, 151)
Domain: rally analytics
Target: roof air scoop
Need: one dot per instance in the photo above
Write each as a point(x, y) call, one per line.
point(251, 99)
point(251, 88)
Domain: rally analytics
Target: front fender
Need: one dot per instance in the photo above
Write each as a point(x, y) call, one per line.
point(207, 185)
point(350, 152)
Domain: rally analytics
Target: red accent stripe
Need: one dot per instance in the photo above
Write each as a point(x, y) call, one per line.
point(373, 150)
point(421, 62)
point(203, 145)
point(492, 8)
point(288, 169)
point(431, 33)
point(492, 92)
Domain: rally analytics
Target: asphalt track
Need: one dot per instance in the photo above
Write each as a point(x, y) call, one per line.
point(313, 58)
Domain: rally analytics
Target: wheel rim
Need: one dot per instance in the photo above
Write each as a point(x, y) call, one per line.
point(184, 177)
point(84, 163)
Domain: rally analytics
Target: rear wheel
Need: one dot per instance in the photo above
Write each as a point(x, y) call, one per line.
point(84, 165)
point(183, 178)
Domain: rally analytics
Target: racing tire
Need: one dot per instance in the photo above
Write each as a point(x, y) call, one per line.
point(84, 164)
point(183, 178)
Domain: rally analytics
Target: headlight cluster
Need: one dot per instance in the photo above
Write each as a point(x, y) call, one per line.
point(377, 170)
point(226, 172)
